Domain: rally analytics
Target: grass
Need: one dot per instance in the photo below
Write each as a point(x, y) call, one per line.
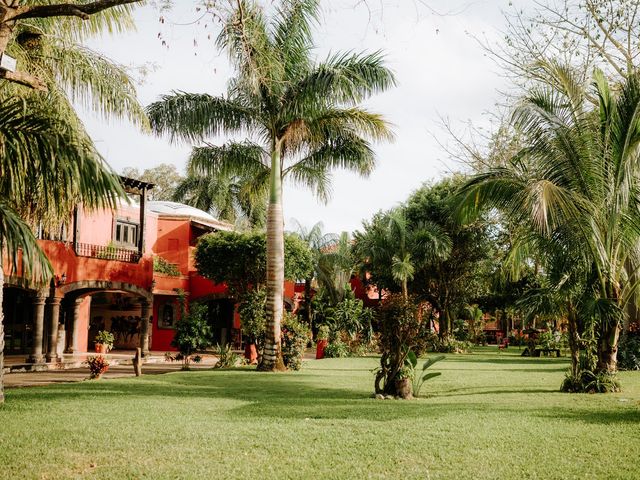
point(488, 416)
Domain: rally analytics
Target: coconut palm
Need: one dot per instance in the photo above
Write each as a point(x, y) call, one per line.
point(390, 244)
point(575, 186)
point(227, 197)
point(318, 243)
point(301, 119)
point(48, 163)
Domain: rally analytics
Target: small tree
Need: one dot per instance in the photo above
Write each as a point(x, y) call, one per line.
point(401, 328)
point(193, 334)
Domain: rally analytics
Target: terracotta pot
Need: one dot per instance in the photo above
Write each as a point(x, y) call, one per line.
point(102, 348)
point(250, 353)
point(320, 346)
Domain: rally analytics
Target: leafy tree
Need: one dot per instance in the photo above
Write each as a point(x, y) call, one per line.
point(193, 333)
point(240, 259)
point(303, 116)
point(574, 187)
point(165, 178)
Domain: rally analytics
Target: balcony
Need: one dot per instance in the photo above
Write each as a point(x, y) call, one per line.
point(107, 252)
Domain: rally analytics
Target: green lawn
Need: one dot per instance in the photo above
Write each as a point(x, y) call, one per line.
point(488, 416)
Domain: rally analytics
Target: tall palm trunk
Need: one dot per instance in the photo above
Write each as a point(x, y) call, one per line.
point(608, 348)
point(272, 353)
point(1, 331)
point(574, 342)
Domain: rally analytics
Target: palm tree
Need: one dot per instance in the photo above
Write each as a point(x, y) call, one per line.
point(575, 186)
point(391, 244)
point(45, 162)
point(227, 197)
point(48, 162)
point(302, 120)
point(318, 243)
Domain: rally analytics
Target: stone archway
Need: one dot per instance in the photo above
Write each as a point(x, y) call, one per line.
point(74, 294)
point(97, 285)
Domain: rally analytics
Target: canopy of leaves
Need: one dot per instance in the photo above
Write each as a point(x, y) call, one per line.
point(239, 259)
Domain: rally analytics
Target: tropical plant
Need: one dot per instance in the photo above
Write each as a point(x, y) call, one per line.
point(295, 336)
point(253, 316)
point(420, 377)
point(323, 332)
point(227, 358)
point(97, 366)
point(162, 265)
point(574, 186)
point(193, 333)
point(305, 117)
point(105, 338)
point(336, 349)
point(334, 266)
point(36, 128)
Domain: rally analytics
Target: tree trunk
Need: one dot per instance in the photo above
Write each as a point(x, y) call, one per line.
point(272, 353)
point(608, 348)
point(574, 343)
point(307, 300)
point(1, 331)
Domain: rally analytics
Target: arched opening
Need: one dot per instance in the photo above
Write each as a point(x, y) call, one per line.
point(18, 308)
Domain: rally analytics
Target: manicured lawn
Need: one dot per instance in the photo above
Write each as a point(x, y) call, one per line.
point(488, 416)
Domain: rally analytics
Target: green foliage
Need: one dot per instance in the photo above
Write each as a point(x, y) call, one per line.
point(161, 265)
point(552, 339)
point(295, 336)
point(193, 333)
point(253, 316)
point(165, 178)
point(402, 328)
point(419, 377)
point(227, 358)
point(239, 259)
point(448, 344)
point(629, 351)
point(336, 349)
point(323, 332)
point(106, 338)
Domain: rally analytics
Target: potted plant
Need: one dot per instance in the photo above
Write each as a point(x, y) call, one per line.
point(97, 366)
point(322, 339)
point(104, 341)
point(404, 382)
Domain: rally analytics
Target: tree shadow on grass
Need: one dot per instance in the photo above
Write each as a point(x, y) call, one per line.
point(510, 360)
point(598, 417)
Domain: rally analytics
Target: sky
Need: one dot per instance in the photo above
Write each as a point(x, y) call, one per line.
point(441, 71)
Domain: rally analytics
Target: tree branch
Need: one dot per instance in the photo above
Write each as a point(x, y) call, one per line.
point(83, 11)
point(25, 79)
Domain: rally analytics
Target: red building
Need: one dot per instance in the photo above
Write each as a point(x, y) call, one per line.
point(105, 280)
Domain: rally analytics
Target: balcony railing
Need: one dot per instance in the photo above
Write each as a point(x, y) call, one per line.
point(107, 252)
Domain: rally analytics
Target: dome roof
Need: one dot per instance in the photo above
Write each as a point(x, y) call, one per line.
point(175, 209)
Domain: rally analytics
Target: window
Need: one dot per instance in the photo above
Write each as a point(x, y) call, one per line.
point(126, 233)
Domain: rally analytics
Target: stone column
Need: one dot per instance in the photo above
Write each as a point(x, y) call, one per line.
point(38, 328)
point(144, 327)
point(52, 344)
point(73, 330)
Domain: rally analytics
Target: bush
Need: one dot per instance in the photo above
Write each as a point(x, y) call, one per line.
point(402, 330)
point(336, 349)
point(253, 316)
point(295, 336)
point(589, 382)
point(97, 366)
point(447, 344)
point(161, 265)
point(629, 352)
point(227, 358)
point(193, 333)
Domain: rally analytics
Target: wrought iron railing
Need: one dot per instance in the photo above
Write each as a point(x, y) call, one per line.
point(106, 252)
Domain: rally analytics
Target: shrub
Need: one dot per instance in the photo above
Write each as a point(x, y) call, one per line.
point(295, 336)
point(336, 349)
point(629, 352)
point(227, 358)
point(448, 344)
point(323, 332)
point(97, 366)
point(253, 316)
point(193, 333)
point(401, 326)
point(161, 265)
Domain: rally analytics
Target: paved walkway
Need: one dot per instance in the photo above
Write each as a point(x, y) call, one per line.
point(121, 367)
